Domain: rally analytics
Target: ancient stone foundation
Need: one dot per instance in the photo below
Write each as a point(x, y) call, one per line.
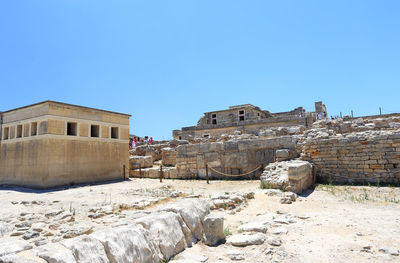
point(352, 151)
point(371, 156)
point(233, 157)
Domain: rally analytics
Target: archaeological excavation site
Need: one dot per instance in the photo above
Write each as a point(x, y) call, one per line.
point(242, 185)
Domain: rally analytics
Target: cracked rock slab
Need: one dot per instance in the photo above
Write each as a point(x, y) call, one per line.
point(261, 226)
point(86, 249)
point(242, 240)
point(54, 253)
point(12, 245)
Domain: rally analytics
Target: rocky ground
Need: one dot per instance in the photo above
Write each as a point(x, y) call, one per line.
point(330, 224)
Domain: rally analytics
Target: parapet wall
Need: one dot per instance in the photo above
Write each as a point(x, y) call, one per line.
point(371, 156)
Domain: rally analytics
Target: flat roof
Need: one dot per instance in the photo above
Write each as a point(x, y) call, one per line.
point(66, 104)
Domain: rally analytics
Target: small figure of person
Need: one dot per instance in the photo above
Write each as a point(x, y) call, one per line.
point(151, 140)
point(130, 143)
point(146, 139)
point(135, 140)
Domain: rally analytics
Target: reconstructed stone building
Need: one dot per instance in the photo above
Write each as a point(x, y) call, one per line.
point(52, 143)
point(248, 119)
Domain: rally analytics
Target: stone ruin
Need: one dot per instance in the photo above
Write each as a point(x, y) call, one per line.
point(355, 150)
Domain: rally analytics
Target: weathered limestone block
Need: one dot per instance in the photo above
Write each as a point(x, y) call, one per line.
point(282, 154)
point(86, 249)
point(154, 173)
point(12, 245)
point(5, 229)
point(166, 231)
point(295, 176)
point(213, 229)
point(260, 226)
point(54, 253)
point(143, 161)
point(170, 173)
point(300, 176)
point(22, 257)
point(268, 133)
point(150, 150)
point(130, 243)
point(193, 213)
point(237, 159)
point(242, 240)
point(169, 156)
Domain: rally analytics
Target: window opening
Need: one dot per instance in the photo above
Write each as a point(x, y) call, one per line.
point(241, 115)
point(19, 131)
point(72, 128)
point(33, 128)
point(94, 131)
point(214, 118)
point(6, 131)
point(114, 132)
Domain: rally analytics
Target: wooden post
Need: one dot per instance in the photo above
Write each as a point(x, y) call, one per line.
point(207, 174)
point(140, 170)
point(161, 174)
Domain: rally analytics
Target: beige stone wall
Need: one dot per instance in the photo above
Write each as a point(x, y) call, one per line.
point(105, 131)
point(70, 111)
point(230, 157)
point(51, 157)
point(44, 162)
point(84, 130)
point(124, 133)
point(26, 130)
point(25, 113)
point(56, 127)
point(357, 158)
point(24, 163)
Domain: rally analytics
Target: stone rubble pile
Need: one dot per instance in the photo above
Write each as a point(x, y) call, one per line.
point(359, 124)
point(155, 150)
point(230, 201)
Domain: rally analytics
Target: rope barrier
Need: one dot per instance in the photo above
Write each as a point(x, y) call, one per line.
point(237, 175)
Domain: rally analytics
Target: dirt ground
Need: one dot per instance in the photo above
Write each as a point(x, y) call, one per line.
point(329, 224)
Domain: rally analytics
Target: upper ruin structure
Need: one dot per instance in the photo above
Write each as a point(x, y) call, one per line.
point(250, 119)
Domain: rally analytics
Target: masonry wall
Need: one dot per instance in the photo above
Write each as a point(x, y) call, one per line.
point(51, 157)
point(230, 117)
point(247, 129)
point(230, 157)
point(359, 157)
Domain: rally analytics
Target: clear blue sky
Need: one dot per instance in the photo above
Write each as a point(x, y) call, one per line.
point(167, 62)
